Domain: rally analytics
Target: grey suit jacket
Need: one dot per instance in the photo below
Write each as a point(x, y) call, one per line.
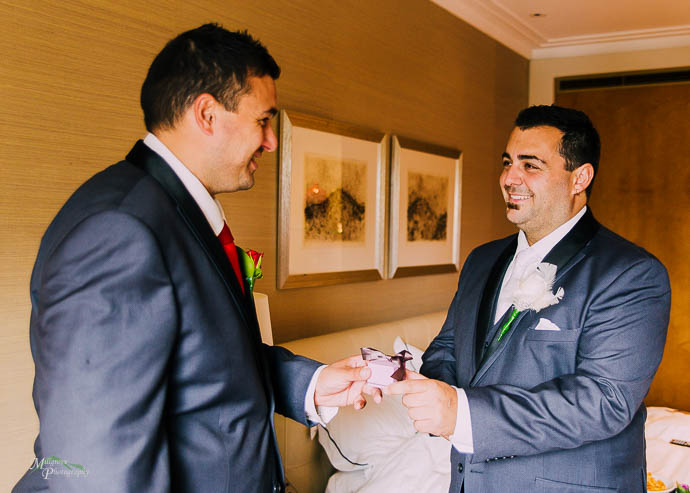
point(557, 411)
point(150, 372)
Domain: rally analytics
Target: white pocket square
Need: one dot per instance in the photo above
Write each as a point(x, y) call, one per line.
point(545, 324)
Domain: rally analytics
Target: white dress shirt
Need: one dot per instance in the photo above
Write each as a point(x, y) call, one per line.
point(462, 437)
point(215, 216)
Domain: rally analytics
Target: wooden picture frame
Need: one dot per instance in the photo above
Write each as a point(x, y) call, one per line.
point(424, 234)
point(331, 206)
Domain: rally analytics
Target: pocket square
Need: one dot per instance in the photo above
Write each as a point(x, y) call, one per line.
point(545, 324)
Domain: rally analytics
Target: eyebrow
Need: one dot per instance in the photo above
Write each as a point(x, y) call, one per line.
point(523, 157)
point(273, 111)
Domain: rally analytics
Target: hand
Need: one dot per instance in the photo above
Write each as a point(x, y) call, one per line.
point(431, 404)
point(342, 384)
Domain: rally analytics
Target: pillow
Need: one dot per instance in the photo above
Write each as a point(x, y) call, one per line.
point(416, 363)
point(377, 449)
point(358, 439)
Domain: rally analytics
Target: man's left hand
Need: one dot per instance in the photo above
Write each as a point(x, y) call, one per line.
point(431, 404)
point(343, 382)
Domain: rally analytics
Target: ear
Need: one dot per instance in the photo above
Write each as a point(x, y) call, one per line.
point(205, 108)
point(581, 178)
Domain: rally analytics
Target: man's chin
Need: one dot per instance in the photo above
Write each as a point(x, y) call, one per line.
point(247, 184)
point(513, 213)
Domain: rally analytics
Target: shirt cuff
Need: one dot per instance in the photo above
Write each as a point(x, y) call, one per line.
point(462, 437)
point(324, 413)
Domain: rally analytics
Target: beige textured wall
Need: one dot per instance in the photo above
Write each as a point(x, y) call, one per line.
point(70, 73)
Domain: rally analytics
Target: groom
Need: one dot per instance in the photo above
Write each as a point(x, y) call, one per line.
point(150, 373)
point(547, 398)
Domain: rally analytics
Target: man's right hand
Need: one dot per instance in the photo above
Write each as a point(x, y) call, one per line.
point(431, 404)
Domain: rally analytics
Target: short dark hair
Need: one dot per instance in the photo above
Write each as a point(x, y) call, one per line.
point(208, 59)
point(580, 143)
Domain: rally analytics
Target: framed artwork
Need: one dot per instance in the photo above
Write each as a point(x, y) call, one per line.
point(331, 207)
point(424, 235)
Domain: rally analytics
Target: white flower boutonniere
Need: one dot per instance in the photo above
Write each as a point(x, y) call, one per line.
point(533, 292)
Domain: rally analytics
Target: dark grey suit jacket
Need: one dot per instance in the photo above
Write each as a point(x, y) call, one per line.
point(150, 372)
point(557, 411)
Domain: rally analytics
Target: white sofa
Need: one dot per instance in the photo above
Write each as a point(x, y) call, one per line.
point(306, 466)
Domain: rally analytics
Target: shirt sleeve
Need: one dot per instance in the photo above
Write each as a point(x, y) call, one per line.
point(324, 414)
point(462, 437)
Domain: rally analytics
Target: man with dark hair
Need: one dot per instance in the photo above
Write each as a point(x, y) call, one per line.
point(580, 142)
point(554, 335)
point(150, 372)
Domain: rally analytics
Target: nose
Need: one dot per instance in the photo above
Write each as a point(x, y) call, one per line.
point(270, 142)
point(511, 175)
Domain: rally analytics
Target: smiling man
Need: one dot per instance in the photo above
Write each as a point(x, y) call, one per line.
point(554, 335)
point(150, 372)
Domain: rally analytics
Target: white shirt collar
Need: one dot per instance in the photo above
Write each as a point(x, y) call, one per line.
point(210, 206)
point(541, 248)
point(536, 254)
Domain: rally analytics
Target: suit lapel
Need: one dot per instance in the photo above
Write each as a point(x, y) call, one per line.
point(560, 255)
point(490, 297)
point(497, 347)
point(576, 239)
point(154, 165)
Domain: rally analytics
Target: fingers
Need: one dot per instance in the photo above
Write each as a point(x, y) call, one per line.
point(355, 395)
point(413, 375)
point(353, 361)
point(361, 373)
point(408, 386)
point(425, 426)
point(375, 392)
point(351, 374)
point(418, 399)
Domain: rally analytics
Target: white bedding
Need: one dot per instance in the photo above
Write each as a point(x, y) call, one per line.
point(664, 459)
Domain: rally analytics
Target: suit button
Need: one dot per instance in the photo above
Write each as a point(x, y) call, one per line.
point(460, 467)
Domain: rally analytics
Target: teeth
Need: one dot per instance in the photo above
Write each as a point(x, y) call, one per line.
point(519, 197)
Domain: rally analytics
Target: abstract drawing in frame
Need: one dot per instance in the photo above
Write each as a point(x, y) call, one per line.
point(331, 209)
point(424, 236)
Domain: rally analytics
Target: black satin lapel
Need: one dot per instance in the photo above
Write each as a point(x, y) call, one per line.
point(141, 155)
point(489, 296)
point(573, 242)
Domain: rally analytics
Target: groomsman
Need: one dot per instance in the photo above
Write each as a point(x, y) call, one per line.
point(554, 335)
point(150, 372)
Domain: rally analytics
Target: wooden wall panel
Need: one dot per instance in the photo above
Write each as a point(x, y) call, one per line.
point(642, 193)
point(70, 74)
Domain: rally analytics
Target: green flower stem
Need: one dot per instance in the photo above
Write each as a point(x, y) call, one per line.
point(506, 326)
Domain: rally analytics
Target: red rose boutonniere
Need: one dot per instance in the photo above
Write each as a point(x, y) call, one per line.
point(251, 265)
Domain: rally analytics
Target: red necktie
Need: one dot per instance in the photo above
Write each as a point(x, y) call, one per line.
point(228, 243)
